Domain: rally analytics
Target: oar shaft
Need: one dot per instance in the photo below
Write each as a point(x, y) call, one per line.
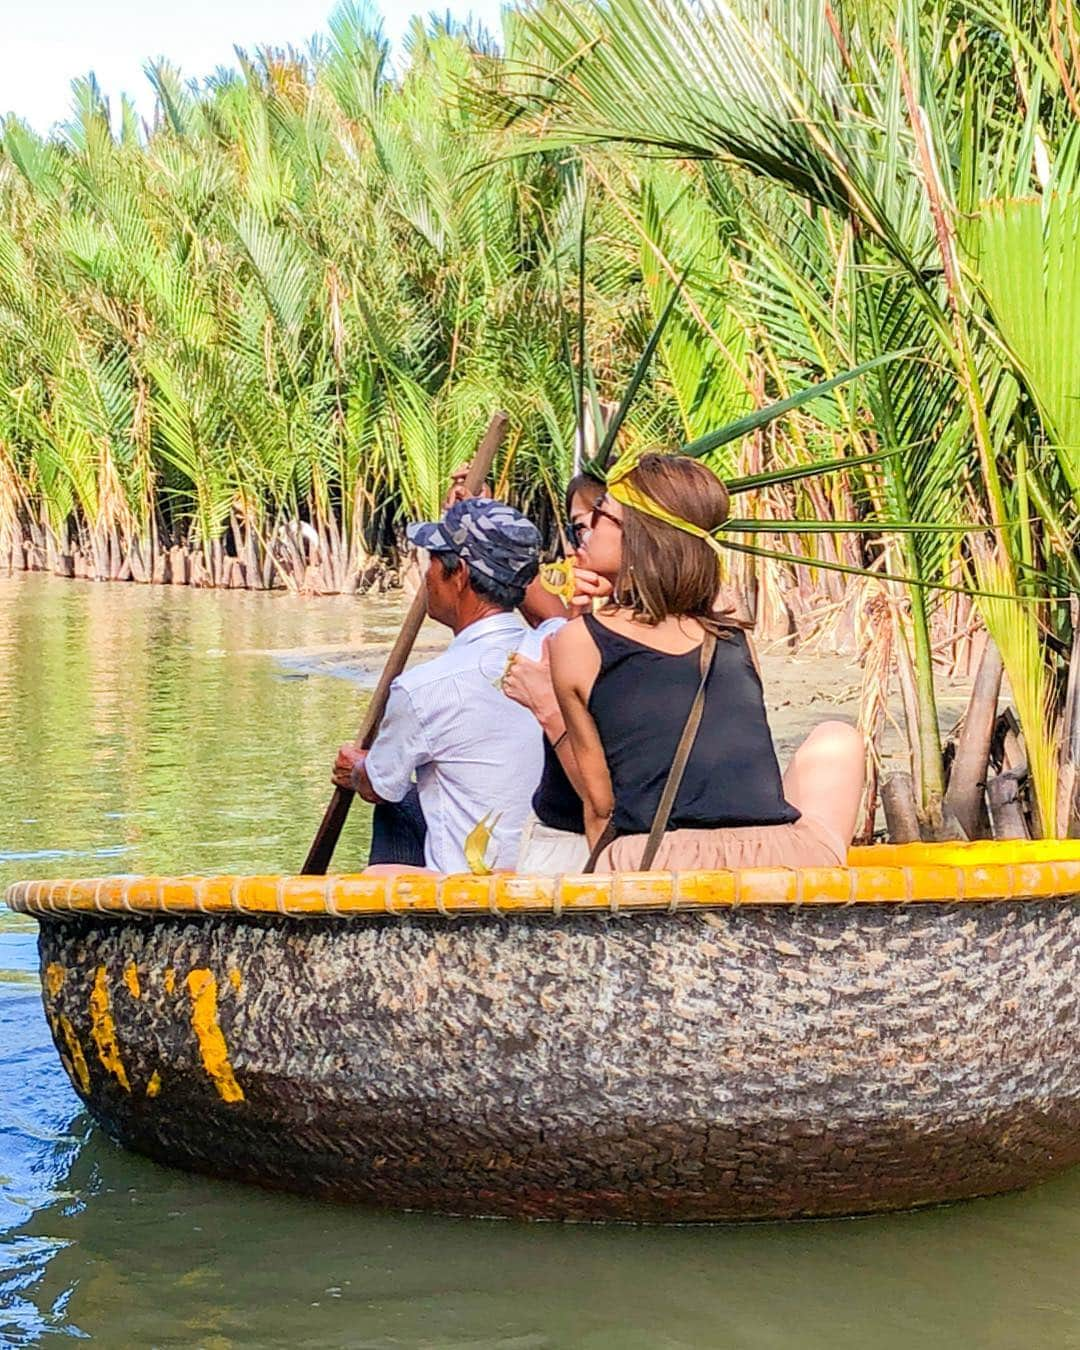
point(317, 862)
point(395, 664)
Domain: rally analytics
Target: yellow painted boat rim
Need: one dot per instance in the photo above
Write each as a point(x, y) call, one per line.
point(876, 875)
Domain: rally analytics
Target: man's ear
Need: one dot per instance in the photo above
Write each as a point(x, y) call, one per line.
point(461, 577)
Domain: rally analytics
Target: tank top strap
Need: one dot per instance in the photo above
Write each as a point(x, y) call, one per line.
point(610, 645)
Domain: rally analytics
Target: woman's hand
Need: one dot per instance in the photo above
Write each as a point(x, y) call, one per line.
point(529, 683)
point(590, 586)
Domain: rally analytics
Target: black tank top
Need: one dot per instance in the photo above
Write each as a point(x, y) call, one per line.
point(555, 801)
point(640, 703)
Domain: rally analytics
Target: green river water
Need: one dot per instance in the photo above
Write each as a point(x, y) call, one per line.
point(157, 730)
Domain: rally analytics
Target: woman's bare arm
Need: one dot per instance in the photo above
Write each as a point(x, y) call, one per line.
point(575, 664)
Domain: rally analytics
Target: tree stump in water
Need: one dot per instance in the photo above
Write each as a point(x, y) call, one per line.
point(1006, 808)
point(898, 803)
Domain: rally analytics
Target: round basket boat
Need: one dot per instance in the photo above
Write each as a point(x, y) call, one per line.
point(700, 1046)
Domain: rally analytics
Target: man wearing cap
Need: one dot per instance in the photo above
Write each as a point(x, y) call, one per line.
point(476, 756)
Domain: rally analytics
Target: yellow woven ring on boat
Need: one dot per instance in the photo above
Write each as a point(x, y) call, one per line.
point(881, 875)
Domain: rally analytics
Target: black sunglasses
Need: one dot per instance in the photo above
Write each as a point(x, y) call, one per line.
point(576, 532)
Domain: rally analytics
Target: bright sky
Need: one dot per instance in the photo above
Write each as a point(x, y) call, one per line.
point(48, 43)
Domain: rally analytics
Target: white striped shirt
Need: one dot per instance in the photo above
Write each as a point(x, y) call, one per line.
point(475, 753)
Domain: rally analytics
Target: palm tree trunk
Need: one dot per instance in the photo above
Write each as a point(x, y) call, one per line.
point(967, 781)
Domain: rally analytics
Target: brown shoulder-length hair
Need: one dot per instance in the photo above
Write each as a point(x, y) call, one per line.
point(666, 571)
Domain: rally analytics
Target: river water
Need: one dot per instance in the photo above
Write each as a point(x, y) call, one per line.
point(157, 730)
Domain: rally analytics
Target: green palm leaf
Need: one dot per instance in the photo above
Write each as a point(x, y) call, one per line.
point(761, 417)
point(1029, 263)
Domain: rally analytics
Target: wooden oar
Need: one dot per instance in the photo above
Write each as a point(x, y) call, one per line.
point(322, 848)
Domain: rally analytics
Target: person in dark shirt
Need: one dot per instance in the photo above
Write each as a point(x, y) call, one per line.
point(626, 678)
point(553, 838)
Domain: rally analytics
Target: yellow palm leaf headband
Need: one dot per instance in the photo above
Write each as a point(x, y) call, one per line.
point(636, 500)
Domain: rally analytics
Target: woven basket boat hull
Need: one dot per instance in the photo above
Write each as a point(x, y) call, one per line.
point(758, 1062)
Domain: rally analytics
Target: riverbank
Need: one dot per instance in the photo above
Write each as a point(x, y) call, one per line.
point(801, 688)
point(821, 613)
point(298, 559)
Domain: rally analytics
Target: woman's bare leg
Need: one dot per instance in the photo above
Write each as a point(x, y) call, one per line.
point(826, 774)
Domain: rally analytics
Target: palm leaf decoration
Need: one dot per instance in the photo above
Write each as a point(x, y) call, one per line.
point(713, 440)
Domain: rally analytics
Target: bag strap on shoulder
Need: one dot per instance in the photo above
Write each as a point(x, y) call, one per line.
point(682, 757)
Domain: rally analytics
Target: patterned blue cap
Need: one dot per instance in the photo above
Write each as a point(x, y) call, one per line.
point(494, 539)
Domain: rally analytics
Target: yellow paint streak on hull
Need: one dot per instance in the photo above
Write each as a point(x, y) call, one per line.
point(170, 979)
point(235, 979)
point(75, 1053)
point(154, 1085)
point(103, 1030)
point(54, 978)
point(202, 988)
point(131, 979)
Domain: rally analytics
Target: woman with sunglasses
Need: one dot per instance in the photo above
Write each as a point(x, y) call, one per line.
point(553, 838)
point(627, 678)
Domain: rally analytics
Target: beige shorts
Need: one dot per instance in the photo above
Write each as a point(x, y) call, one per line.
point(545, 852)
point(806, 843)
